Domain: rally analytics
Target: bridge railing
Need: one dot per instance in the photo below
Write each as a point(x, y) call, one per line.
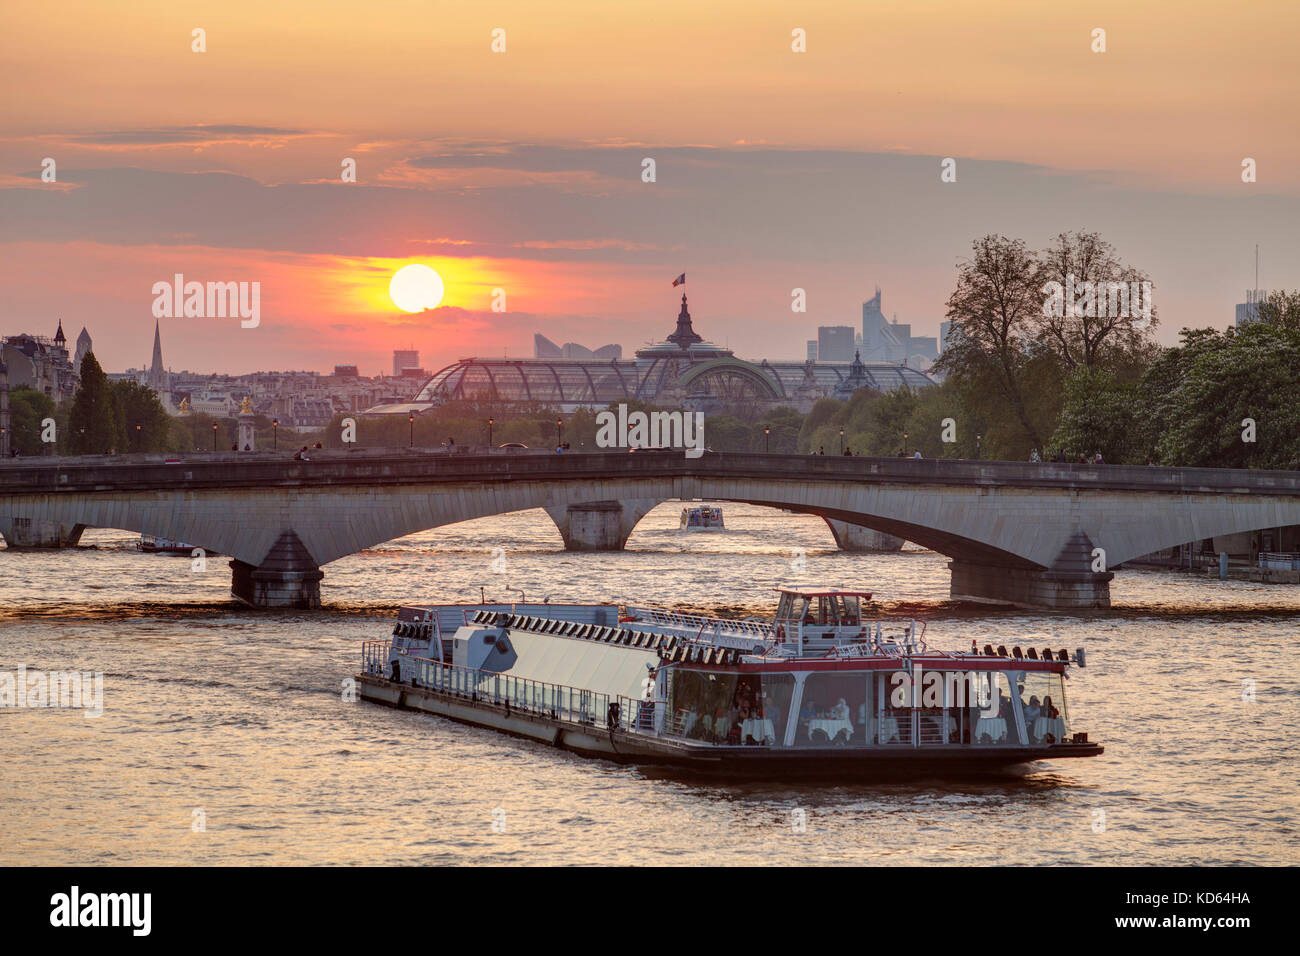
point(106, 474)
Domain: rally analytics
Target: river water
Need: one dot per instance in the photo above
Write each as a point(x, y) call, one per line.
point(233, 719)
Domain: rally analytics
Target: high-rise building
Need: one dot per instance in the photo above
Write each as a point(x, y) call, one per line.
point(1248, 311)
point(545, 348)
point(885, 341)
point(405, 358)
point(945, 329)
point(835, 343)
point(812, 350)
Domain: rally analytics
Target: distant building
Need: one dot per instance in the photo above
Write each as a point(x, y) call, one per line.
point(945, 328)
point(545, 348)
point(1248, 311)
point(345, 371)
point(835, 343)
point(84, 346)
point(159, 381)
point(405, 358)
point(41, 364)
point(885, 341)
point(812, 350)
point(681, 371)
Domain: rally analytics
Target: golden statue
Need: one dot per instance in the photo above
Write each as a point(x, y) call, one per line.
point(184, 407)
point(246, 406)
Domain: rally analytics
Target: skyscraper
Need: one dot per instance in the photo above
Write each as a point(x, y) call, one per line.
point(405, 358)
point(835, 343)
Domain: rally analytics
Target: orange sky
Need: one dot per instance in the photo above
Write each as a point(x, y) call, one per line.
point(1184, 91)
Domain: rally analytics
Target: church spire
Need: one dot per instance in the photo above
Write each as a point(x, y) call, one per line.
point(59, 337)
point(157, 372)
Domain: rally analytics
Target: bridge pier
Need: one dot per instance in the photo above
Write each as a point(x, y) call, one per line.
point(287, 577)
point(39, 533)
point(1070, 583)
point(599, 525)
point(853, 537)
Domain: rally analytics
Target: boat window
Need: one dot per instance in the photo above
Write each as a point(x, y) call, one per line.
point(1042, 700)
point(996, 723)
point(835, 710)
point(805, 614)
point(700, 704)
point(852, 610)
point(769, 710)
point(783, 608)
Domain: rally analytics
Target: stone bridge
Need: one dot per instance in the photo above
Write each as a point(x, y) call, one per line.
point(1029, 534)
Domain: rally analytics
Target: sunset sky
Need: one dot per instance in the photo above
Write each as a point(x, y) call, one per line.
point(522, 170)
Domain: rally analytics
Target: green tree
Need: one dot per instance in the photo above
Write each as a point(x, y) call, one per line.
point(1233, 377)
point(95, 421)
point(146, 422)
point(27, 409)
point(994, 313)
point(1281, 309)
point(1100, 415)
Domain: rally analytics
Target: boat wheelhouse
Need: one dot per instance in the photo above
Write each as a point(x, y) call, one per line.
point(703, 518)
point(816, 691)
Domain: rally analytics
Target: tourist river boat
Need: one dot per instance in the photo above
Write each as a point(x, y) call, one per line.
point(817, 691)
point(155, 545)
point(703, 518)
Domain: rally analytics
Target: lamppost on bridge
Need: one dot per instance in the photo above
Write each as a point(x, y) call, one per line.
point(411, 418)
point(767, 435)
point(491, 422)
point(214, 436)
point(275, 434)
point(977, 445)
point(137, 439)
point(559, 432)
point(841, 441)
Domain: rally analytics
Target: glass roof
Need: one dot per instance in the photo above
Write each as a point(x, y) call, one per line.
point(585, 382)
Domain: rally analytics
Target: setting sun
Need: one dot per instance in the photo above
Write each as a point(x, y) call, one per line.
point(415, 287)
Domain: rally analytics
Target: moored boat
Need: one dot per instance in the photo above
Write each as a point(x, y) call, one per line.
point(817, 691)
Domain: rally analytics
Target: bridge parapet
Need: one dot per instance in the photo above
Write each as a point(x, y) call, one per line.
point(126, 472)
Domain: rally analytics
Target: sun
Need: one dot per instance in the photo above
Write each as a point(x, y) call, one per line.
point(415, 287)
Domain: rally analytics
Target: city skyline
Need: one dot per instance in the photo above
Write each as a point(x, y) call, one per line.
point(775, 170)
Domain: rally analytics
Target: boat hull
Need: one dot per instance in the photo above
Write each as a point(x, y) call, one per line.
point(594, 739)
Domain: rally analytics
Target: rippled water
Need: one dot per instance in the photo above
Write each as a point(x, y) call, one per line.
point(238, 713)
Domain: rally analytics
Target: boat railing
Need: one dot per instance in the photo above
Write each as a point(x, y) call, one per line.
point(558, 701)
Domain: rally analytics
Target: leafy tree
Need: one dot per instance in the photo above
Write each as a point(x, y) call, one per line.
point(1100, 415)
point(145, 421)
point(1089, 340)
point(1281, 309)
point(27, 409)
point(994, 312)
point(1231, 377)
point(95, 421)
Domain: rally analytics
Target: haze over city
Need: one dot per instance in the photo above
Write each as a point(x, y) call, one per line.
point(773, 170)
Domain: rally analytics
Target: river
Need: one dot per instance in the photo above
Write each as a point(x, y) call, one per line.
point(225, 738)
